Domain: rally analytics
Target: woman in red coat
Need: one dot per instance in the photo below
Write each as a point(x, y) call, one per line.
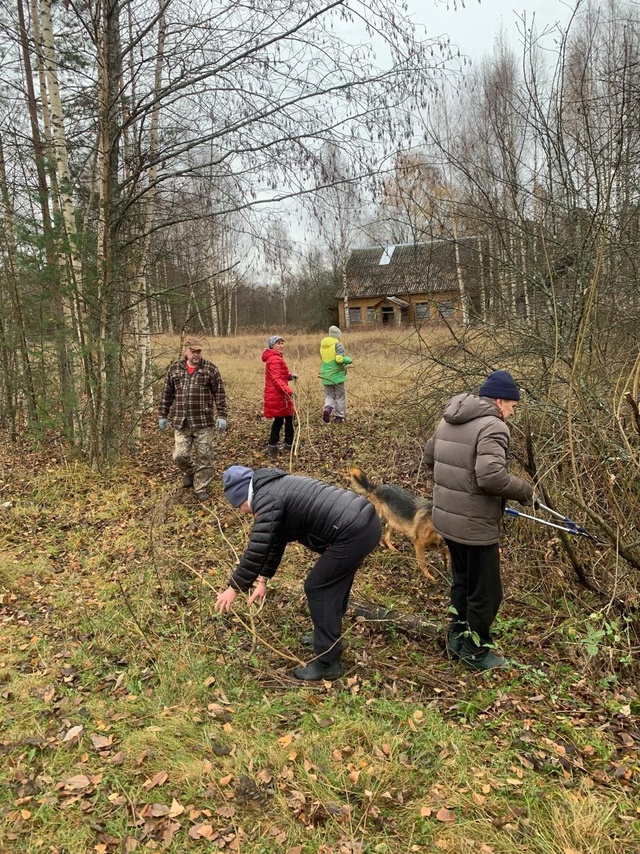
point(278, 395)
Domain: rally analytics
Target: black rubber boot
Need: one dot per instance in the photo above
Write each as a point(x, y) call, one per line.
point(272, 450)
point(481, 657)
point(455, 639)
point(307, 640)
point(187, 481)
point(318, 670)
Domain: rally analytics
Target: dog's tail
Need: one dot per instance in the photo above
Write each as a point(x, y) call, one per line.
point(360, 482)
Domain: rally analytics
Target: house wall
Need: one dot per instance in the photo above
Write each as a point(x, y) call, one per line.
point(423, 308)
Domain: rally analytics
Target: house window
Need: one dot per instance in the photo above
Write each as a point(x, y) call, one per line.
point(371, 314)
point(355, 315)
point(422, 310)
point(385, 258)
point(446, 308)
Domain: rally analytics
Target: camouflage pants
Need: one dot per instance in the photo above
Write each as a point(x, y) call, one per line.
point(193, 454)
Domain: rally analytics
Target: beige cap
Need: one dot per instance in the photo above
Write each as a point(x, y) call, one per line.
point(194, 343)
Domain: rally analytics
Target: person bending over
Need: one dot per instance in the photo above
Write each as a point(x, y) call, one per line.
point(339, 525)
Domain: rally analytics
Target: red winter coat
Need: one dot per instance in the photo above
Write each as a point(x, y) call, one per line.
point(278, 396)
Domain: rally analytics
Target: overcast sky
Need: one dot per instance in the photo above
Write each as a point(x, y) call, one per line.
point(475, 26)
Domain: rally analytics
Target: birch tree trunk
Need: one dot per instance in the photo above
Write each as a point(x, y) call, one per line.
point(215, 293)
point(345, 291)
point(464, 297)
point(69, 259)
point(17, 339)
point(67, 392)
point(110, 411)
point(483, 279)
point(141, 320)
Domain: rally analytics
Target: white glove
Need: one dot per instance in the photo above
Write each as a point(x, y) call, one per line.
point(163, 423)
point(221, 425)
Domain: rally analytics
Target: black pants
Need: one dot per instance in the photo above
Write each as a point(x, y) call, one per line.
point(476, 587)
point(277, 426)
point(329, 583)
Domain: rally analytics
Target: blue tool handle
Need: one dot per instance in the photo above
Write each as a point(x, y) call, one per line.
point(575, 527)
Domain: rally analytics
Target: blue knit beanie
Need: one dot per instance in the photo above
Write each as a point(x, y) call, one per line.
point(273, 341)
point(235, 481)
point(500, 384)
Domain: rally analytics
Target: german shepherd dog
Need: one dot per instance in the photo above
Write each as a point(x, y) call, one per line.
point(400, 510)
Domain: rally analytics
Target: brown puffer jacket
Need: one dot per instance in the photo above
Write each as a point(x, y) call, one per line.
point(468, 456)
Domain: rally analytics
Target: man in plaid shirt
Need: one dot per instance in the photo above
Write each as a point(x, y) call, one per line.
point(191, 388)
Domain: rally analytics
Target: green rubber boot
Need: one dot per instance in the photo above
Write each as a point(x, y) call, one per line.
point(481, 657)
point(455, 639)
point(319, 670)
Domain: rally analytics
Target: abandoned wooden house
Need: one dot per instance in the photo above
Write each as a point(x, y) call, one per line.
point(409, 283)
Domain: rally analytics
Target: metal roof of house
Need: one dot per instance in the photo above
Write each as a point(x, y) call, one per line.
point(406, 268)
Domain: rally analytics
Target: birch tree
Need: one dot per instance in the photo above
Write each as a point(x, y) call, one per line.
point(140, 101)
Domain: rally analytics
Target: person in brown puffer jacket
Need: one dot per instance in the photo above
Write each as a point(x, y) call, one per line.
point(468, 457)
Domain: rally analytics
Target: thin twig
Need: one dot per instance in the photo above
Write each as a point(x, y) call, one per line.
point(250, 626)
point(134, 618)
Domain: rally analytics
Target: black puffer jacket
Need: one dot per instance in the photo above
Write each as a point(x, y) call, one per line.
point(290, 508)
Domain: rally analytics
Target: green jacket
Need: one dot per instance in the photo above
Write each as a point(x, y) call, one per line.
point(334, 361)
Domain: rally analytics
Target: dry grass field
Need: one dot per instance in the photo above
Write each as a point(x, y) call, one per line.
point(134, 718)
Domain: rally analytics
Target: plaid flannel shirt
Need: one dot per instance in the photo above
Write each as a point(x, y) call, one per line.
point(191, 397)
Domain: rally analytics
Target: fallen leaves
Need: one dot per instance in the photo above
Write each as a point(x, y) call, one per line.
point(72, 735)
point(101, 743)
point(76, 783)
point(446, 816)
point(221, 784)
point(158, 779)
point(204, 830)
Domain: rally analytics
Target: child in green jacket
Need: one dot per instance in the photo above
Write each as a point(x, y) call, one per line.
point(333, 375)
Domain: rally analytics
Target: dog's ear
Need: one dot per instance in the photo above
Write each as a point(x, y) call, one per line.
point(359, 480)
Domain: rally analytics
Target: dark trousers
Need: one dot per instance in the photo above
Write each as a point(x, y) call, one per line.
point(329, 583)
point(277, 426)
point(476, 587)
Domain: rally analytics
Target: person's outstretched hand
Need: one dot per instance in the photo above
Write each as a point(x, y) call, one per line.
point(224, 600)
point(259, 593)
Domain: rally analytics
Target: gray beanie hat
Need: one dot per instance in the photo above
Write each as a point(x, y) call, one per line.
point(333, 330)
point(500, 384)
point(236, 481)
point(273, 341)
